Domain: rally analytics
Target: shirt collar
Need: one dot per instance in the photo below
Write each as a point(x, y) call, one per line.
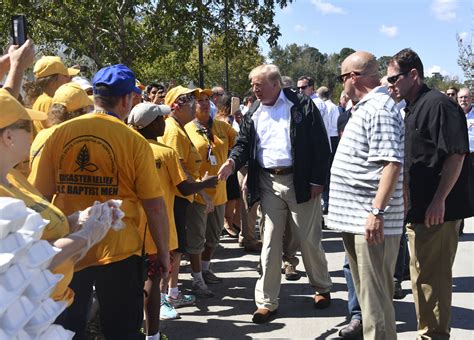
point(374, 92)
point(280, 100)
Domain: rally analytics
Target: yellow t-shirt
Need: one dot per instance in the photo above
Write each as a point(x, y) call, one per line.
point(43, 103)
point(175, 137)
point(38, 143)
point(171, 174)
point(58, 227)
point(224, 139)
point(96, 157)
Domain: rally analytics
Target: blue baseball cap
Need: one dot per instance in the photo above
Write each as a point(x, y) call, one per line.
point(119, 79)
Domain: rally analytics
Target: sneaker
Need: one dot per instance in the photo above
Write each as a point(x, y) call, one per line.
point(291, 274)
point(210, 278)
point(181, 301)
point(201, 290)
point(167, 311)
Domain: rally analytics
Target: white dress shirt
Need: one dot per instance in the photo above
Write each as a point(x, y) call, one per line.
point(272, 126)
point(470, 129)
point(333, 115)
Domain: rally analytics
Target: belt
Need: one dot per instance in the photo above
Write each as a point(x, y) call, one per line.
point(279, 171)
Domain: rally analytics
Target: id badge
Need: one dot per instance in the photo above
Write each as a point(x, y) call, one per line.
point(213, 159)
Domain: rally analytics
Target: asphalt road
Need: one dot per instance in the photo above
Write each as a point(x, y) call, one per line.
point(228, 314)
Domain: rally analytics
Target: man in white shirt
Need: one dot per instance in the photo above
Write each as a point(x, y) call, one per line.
point(285, 143)
point(306, 85)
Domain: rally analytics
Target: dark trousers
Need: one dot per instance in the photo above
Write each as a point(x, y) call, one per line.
point(334, 144)
point(403, 259)
point(119, 289)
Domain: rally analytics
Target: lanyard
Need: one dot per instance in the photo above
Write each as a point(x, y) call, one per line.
point(207, 134)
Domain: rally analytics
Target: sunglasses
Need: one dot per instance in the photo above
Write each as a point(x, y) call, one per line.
point(342, 77)
point(393, 79)
point(188, 98)
point(450, 94)
point(302, 88)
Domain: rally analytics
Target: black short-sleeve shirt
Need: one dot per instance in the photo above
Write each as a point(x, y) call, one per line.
point(435, 127)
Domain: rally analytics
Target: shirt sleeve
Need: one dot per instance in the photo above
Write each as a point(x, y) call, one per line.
point(43, 170)
point(450, 130)
point(174, 168)
point(174, 140)
point(385, 132)
point(147, 183)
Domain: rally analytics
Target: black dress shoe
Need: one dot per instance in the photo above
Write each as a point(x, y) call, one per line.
point(398, 293)
point(352, 331)
point(262, 315)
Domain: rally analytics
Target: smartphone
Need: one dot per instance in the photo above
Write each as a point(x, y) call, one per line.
point(19, 29)
point(234, 105)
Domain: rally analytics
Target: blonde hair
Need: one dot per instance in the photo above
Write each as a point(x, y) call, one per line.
point(270, 71)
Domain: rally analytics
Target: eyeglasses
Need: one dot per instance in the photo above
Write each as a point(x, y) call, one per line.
point(342, 77)
point(393, 79)
point(188, 98)
point(302, 88)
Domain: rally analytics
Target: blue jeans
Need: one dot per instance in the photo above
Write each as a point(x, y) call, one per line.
point(352, 302)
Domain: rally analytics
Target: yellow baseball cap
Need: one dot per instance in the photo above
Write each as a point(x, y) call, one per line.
point(207, 92)
point(72, 96)
point(11, 110)
point(49, 65)
point(177, 91)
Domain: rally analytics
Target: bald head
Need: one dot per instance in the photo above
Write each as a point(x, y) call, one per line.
point(361, 62)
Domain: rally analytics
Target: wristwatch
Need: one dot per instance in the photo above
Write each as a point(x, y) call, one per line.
point(376, 211)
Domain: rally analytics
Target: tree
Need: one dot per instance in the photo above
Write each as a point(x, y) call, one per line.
point(134, 32)
point(466, 61)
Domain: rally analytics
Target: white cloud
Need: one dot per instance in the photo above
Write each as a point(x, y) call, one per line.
point(300, 28)
point(326, 7)
point(389, 31)
point(444, 10)
point(436, 69)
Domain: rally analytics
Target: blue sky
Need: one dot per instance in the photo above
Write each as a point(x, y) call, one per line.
point(382, 27)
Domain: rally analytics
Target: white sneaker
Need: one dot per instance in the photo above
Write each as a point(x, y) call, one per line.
point(201, 290)
point(167, 311)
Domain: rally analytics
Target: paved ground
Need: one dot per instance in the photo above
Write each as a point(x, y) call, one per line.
point(228, 314)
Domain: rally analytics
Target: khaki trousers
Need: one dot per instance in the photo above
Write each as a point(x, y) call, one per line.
point(432, 253)
point(372, 268)
point(278, 204)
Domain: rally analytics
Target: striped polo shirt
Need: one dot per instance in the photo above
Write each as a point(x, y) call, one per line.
point(374, 135)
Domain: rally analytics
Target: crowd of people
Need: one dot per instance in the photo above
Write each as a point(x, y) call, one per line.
point(389, 164)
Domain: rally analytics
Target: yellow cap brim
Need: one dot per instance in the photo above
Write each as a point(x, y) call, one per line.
point(73, 71)
point(35, 115)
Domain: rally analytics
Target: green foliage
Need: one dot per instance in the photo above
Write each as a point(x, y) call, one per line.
point(139, 33)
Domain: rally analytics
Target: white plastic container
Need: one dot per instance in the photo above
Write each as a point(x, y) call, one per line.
point(44, 316)
point(42, 285)
point(13, 213)
point(16, 278)
point(40, 255)
point(56, 332)
point(6, 259)
point(17, 315)
point(4, 336)
point(22, 335)
point(34, 222)
point(16, 244)
point(6, 299)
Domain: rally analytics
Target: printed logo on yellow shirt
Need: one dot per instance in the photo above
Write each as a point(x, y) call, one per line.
point(80, 168)
point(83, 161)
